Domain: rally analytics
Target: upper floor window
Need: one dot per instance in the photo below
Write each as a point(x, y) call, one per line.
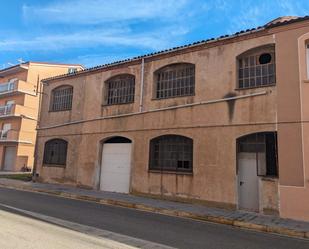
point(55, 152)
point(120, 89)
point(175, 80)
point(171, 153)
point(307, 48)
point(61, 98)
point(257, 68)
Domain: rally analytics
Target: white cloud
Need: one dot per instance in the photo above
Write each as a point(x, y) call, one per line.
point(154, 40)
point(293, 8)
point(245, 19)
point(90, 60)
point(252, 13)
point(101, 11)
point(109, 23)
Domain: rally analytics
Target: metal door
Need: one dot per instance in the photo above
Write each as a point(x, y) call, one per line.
point(248, 184)
point(9, 158)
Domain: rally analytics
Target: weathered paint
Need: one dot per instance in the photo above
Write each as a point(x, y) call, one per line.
point(214, 127)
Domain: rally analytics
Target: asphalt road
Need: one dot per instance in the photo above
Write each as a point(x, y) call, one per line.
point(19, 232)
point(170, 231)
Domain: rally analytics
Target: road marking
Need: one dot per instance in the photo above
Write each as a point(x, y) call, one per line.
point(99, 233)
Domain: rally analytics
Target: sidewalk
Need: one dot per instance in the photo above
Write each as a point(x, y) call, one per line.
point(255, 221)
point(6, 173)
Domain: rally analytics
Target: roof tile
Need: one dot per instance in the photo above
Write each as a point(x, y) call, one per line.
point(275, 23)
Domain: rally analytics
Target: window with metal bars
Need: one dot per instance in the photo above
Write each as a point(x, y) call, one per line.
point(175, 81)
point(171, 153)
point(264, 145)
point(307, 60)
point(120, 89)
point(61, 99)
point(257, 68)
point(55, 152)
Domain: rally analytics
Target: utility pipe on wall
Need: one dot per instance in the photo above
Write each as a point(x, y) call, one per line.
point(160, 109)
point(142, 86)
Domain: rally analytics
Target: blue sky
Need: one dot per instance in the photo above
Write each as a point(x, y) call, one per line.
point(94, 32)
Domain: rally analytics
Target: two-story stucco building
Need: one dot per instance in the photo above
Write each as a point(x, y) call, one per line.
point(20, 90)
point(222, 121)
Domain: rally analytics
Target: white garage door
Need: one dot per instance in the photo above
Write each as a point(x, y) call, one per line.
point(116, 167)
point(9, 158)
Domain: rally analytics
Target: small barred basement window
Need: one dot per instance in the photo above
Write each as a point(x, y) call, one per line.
point(61, 98)
point(175, 81)
point(120, 90)
point(55, 152)
point(171, 153)
point(257, 68)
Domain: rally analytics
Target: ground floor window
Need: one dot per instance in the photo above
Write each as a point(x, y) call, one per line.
point(264, 145)
point(171, 153)
point(55, 152)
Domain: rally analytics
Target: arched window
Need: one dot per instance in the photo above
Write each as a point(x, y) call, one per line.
point(61, 98)
point(175, 80)
point(257, 67)
point(171, 153)
point(307, 55)
point(55, 152)
point(118, 140)
point(120, 89)
point(264, 145)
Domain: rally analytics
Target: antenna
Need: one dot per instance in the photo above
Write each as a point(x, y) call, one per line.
point(20, 60)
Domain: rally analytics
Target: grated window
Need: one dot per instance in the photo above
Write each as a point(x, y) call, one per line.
point(257, 69)
point(55, 152)
point(62, 98)
point(120, 90)
point(175, 81)
point(171, 153)
point(263, 144)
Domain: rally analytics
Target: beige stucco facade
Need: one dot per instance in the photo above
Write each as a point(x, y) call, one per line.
point(214, 118)
point(20, 88)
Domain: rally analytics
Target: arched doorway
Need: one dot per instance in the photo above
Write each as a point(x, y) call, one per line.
point(256, 157)
point(116, 165)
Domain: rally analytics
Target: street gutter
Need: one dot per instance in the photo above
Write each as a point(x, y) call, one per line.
point(303, 234)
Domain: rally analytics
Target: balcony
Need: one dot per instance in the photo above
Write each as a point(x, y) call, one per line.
point(17, 86)
point(14, 136)
point(13, 110)
point(6, 110)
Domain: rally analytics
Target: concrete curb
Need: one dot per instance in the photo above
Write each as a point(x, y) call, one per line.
point(215, 219)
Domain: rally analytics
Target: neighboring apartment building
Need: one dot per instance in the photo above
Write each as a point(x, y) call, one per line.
point(222, 121)
point(19, 104)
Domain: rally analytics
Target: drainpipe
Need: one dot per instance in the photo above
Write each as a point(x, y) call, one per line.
point(142, 86)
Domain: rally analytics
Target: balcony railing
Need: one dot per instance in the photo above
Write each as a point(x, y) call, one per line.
point(7, 87)
point(6, 110)
point(8, 135)
point(14, 110)
point(17, 86)
point(16, 136)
